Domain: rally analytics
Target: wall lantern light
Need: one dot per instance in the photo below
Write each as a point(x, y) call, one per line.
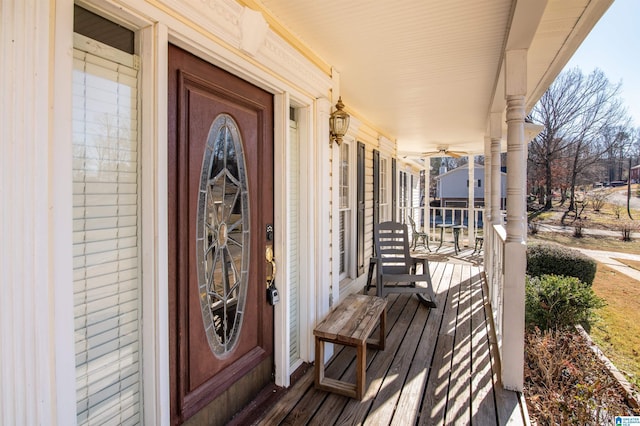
point(338, 122)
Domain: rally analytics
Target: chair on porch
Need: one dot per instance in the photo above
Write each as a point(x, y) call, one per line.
point(396, 270)
point(479, 241)
point(479, 237)
point(417, 236)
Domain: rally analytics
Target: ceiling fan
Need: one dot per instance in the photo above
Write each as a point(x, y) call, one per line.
point(441, 152)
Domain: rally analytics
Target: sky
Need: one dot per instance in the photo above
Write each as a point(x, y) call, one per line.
point(614, 47)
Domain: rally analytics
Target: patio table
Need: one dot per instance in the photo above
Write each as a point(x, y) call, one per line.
point(442, 227)
point(456, 237)
point(456, 228)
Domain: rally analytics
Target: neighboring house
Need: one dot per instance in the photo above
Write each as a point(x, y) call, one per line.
point(634, 174)
point(154, 151)
point(453, 187)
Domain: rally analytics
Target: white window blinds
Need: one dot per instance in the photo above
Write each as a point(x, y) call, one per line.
point(345, 210)
point(106, 226)
point(294, 244)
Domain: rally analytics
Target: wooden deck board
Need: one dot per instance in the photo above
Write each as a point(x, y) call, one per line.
point(458, 399)
point(384, 405)
point(355, 411)
point(507, 403)
point(408, 406)
point(483, 400)
point(438, 367)
point(436, 392)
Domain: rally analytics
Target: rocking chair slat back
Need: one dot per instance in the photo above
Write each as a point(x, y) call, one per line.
point(392, 247)
point(396, 270)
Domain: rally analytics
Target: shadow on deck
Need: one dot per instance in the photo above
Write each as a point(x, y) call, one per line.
point(439, 365)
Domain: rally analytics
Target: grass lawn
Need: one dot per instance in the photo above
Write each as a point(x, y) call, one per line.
point(587, 242)
point(630, 263)
point(617, 332)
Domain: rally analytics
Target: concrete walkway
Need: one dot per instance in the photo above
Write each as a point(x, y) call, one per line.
point(604, 257)
point(609, 258)
point(568, 229)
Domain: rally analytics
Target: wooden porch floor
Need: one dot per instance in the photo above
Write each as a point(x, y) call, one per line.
point(439, 365)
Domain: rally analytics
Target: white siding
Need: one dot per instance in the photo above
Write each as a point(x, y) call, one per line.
point(35, 274)
point(453, 184)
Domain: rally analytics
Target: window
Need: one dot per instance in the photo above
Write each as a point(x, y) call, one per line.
point(384, 189)
point(360, 210)
point(106, 229)
point(404, 192)
point(222, 242)
point(106, 223)
point(295, 238)
point(414, 207)
point(345, 211)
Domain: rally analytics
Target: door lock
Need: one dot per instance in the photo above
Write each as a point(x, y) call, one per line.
point(273, 296)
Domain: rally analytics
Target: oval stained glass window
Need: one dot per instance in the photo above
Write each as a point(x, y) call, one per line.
point(222, 238)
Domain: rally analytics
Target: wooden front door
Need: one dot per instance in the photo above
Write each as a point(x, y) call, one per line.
point(220, 182)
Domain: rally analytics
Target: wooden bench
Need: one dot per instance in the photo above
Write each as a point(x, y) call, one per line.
point(350, 324)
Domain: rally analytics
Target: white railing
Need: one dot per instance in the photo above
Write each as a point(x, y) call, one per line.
point(446, 215)
point(495, 277)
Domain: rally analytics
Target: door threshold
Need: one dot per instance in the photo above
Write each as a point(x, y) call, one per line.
point(266, 398)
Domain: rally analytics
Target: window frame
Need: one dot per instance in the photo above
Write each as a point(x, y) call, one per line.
point(345, 211)
point(385, 184)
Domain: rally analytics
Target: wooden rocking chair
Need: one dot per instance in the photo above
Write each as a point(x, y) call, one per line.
point(396, 270)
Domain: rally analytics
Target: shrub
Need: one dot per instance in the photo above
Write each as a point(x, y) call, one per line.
point(598, 199)
point(617, 210)
point(627, 227)
point(553, 259)
point(557, 302)
point(577, 228)
point(566, 383)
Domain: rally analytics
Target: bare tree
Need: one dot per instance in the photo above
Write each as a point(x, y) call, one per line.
point(577, 112)
point(634, 149)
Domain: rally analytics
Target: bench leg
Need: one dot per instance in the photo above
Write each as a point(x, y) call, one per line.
point(361, 370)
point(319, 370)
point(380, 342)
point(351, 390)
point(338, 386)
point(383, 328)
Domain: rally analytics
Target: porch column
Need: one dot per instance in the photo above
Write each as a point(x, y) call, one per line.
point(516, 244)
point(493, 199)
point(427, 195)
point(496, 175)
point(487, 214)
point(471, 204)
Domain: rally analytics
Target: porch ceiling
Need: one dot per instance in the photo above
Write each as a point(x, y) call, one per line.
point(427, 73)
